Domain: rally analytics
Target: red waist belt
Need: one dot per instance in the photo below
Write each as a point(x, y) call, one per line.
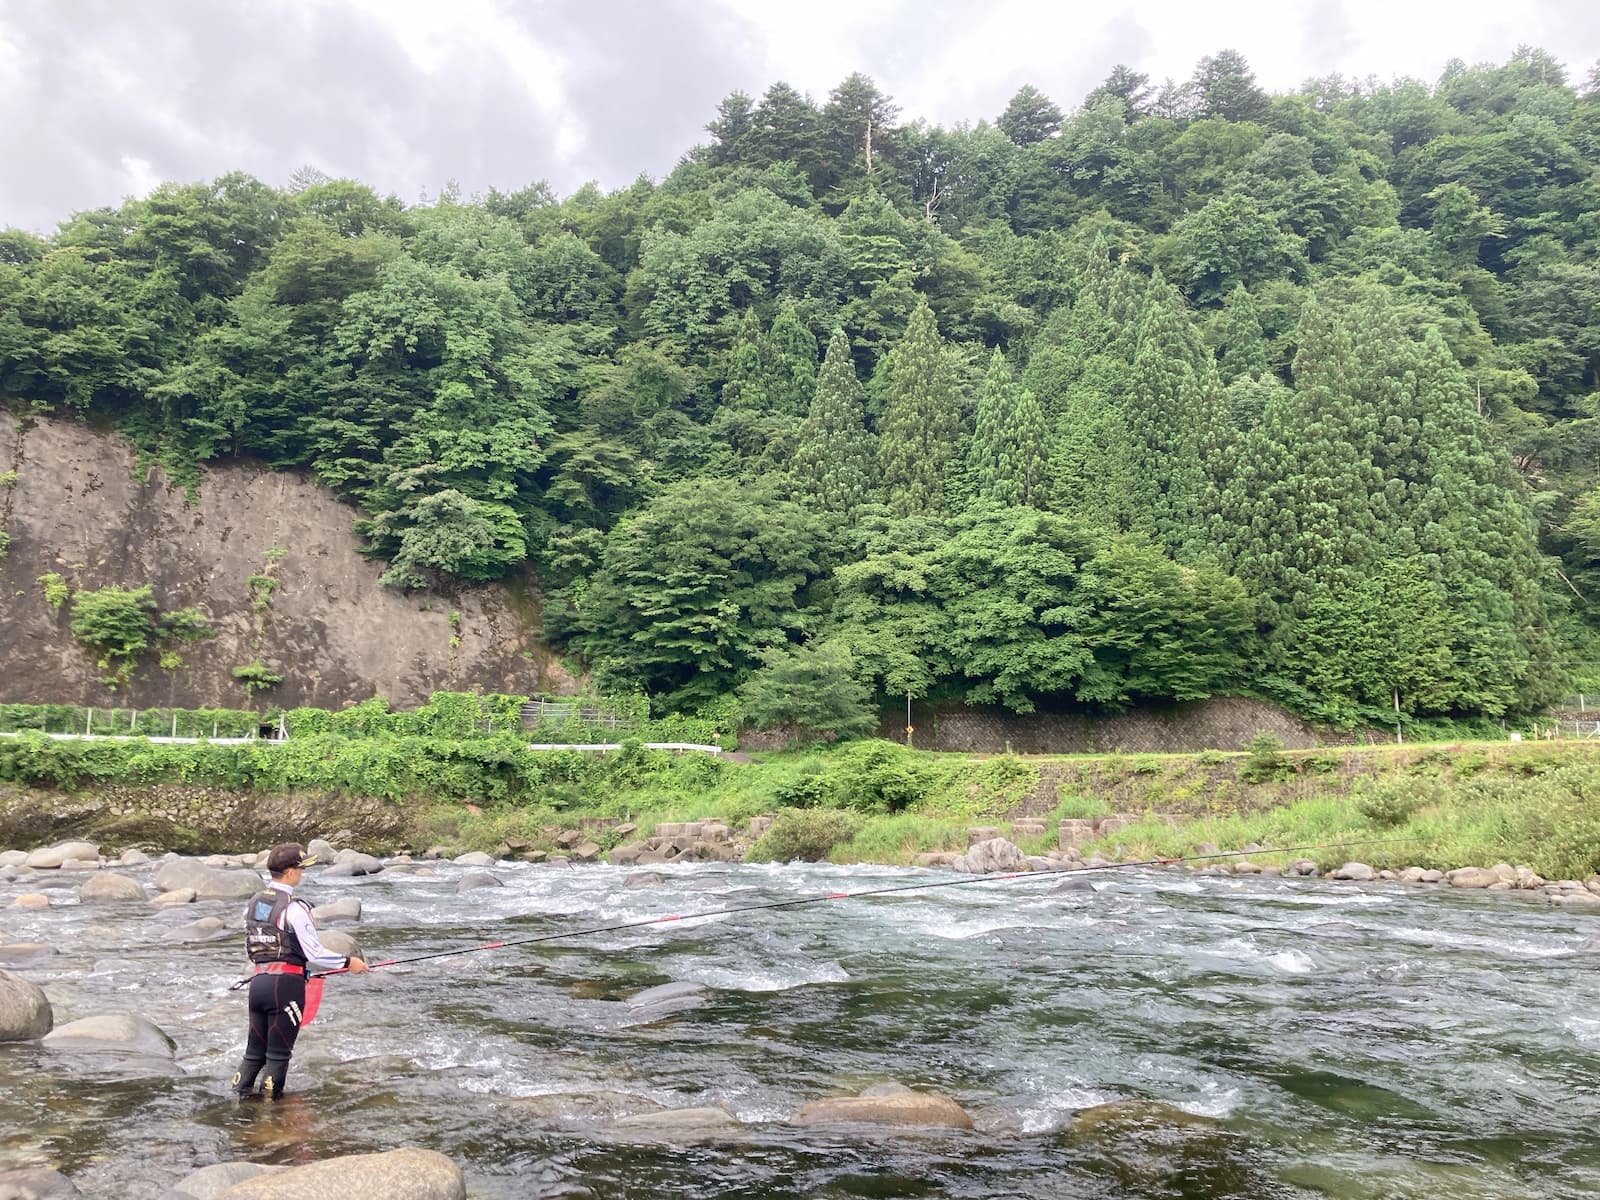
point(279, 969)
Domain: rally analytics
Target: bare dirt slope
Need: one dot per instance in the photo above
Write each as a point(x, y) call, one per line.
point(78, 508)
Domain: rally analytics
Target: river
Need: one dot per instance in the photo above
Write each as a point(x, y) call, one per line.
point(1334, 1039)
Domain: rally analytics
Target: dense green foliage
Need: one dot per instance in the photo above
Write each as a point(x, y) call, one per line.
point(1192, 389)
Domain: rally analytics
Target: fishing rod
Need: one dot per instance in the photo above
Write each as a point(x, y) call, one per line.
point(878, 891)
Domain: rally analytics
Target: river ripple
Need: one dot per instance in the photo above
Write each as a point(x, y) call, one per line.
point(1341, 1040)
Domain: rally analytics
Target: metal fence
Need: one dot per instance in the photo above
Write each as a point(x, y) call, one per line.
point(537, 712)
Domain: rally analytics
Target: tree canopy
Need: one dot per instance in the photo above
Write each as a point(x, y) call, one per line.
point(1190, 388)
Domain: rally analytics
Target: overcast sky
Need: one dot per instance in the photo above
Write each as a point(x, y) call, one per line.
point(101, 99)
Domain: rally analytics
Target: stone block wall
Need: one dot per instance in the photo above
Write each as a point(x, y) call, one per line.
point(1221, 723)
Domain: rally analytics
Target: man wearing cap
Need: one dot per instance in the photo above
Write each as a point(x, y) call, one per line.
point(282, 942)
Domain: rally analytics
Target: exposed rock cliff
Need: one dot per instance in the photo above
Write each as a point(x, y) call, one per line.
point(78, 508)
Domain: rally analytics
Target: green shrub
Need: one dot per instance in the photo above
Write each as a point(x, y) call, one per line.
point(1264, 761)
point(256, 677)
point(805, 835)
point(1390, 803)
point(55, 589)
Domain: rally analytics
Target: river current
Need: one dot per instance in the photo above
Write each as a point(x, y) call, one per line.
point(1299, 1038)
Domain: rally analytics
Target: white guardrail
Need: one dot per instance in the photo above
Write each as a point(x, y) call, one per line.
point(598, 747)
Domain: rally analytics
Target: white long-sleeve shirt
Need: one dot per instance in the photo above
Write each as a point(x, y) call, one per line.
point(297, 918)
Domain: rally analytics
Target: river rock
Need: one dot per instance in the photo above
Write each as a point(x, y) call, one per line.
point(1411, 875)
point(63, 852)
point(898, 1108)
point(202, 930)
point(25, 1014)
point(36, 1183)
point(122, 1032)
point(353, 862)
point(31, 900)
point(322, 850)
point(209, 883)
point(676, 1125)
point(474, 858)
point(1357, 872)
point(583, 1106)
point(210, 1182)
point(667, 998)
point(1584, 900)
point(1302, 867)
point(133, 858)
point(13, 858)
point(1472, 877)
point(990, 855)
point(477, 879)
point(25, 952)
point(640, 879)
point(110, 888)
point(177, 896)
point(410, 1173)
point(345, 908)
point(339, 942)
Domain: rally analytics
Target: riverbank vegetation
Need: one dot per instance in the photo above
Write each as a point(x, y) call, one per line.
point(1440, 804)
point(1189, 390)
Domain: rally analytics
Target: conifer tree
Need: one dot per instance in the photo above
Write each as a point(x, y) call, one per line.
point(1306, 505)
point(1009, 453)
point(748, 367)
point(835, 460)
point(1163, 414)
point(1241, 345)
point(921, 419)
point(1468, 518)
point(791, 362)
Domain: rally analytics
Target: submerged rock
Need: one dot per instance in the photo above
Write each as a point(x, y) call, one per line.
point(25, 1014)
point(891, 1104)
point(36, 1183)
point(608, 1106)
point(676, 1125)
point(406, 1174)
point(122, 1032)
point(477, 879)
point(210, 1182)
point(675, 993)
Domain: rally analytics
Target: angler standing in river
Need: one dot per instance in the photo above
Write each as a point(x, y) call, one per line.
point(282, 942)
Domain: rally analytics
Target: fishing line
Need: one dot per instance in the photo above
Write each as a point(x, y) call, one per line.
point(961, 881)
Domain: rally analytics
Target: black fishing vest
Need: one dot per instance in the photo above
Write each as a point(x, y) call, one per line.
point(267, 936)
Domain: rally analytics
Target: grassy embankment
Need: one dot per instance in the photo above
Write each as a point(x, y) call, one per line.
point(443, 781)
point(1438, 805)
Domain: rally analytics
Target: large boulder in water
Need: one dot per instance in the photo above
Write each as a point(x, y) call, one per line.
point(63, 852)
point(209, 883)
point(406, 1174)
point(110, 888)
point(345, 908)
point(340, 942)
point(25, 1014)
point(36, 1183)
point(123, 1032)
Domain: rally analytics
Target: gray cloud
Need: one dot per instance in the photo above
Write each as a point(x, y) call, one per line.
point(99, 98)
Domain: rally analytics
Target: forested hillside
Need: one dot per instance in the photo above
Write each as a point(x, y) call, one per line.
point(1191, 390)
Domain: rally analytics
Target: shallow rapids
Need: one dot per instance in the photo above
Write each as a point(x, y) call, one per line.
point(1311, 1038)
